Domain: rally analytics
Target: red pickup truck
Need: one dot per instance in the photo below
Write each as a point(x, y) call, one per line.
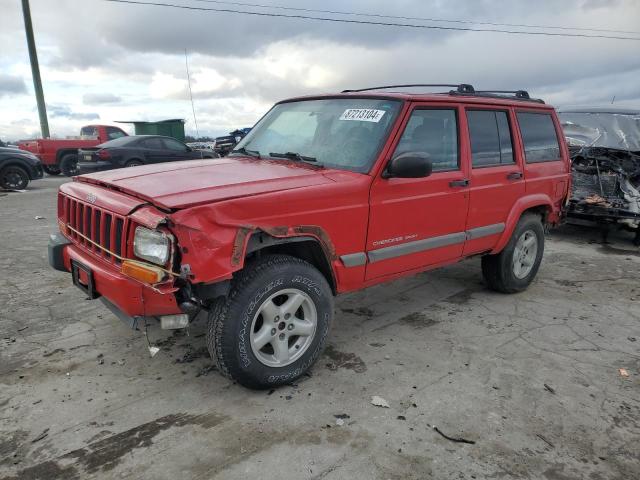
point(61, 155)
point(326, 194)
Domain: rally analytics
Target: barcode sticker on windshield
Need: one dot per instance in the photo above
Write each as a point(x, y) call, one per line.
point(362, 114)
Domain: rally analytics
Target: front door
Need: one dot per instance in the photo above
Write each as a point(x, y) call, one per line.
point(154, 150)
point(496, 181)
point(416, 222)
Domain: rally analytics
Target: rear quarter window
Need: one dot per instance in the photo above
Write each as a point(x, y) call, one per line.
point(539, 137)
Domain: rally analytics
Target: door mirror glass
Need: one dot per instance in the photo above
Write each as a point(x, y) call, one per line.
point(409, 165)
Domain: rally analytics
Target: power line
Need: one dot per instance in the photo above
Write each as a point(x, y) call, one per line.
point(426, 19)
point(367, 22)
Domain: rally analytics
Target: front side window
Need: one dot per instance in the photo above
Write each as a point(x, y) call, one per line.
point(153, 143)
point(342, 133)
point(174, 145)
point(490, 138)
point(539, 137)
point(434, 132)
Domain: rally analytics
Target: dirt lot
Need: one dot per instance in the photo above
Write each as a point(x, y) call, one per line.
point(533, 379)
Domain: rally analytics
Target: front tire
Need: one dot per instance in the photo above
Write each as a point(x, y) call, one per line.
point(273, 325)
point(514, 268)
point(133, 163)
point(14, 178)
point(69, 165)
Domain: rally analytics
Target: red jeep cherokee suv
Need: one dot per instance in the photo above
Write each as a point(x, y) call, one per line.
point(327, 194)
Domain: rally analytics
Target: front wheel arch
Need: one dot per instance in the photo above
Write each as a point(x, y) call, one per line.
point(305, 247)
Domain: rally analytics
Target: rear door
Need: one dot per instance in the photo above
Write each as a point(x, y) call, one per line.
point(546, 161)
point(416, 222)
point(496, 180)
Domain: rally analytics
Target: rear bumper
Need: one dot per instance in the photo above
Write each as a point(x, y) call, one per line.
point(91, 167)
point(132, 298)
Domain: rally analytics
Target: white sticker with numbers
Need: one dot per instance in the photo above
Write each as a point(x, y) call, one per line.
point(362, 114)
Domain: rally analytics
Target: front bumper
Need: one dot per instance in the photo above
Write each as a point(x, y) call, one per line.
point(91, 167)
point(134, 299)
point(37, 172)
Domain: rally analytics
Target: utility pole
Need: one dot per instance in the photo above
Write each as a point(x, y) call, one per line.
point(35, 69)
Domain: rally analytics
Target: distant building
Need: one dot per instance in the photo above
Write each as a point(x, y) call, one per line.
point(171, 128)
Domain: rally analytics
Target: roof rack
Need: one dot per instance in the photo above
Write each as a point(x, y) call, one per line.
point(508, 94)
point(461, 89)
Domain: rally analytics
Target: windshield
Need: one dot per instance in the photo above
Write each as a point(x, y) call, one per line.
point(609, 130)
point(345, 133)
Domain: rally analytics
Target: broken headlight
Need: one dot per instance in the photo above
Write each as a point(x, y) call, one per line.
point(151, 245)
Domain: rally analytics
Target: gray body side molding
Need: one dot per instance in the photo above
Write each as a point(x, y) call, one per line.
point(360, 258)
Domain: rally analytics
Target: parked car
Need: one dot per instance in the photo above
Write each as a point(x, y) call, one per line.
point(61, 155)
point(223, 145)
point(326, 195)
point(134, 151)
point(604, 144)
point(18, 168)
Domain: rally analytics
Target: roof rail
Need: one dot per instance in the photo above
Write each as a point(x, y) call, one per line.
point(464, 88)
point(522, 95)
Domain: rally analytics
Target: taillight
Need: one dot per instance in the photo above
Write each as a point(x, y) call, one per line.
point(104, 154)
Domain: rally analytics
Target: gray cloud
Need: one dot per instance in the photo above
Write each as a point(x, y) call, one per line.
point(63, 111)
point(11, 85)
point(100, 98)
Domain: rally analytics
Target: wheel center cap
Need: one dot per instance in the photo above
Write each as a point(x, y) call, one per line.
point(281, 326)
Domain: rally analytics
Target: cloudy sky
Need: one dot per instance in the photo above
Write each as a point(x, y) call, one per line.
point(103, 61)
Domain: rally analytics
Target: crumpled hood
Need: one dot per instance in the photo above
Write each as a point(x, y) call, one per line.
point(177, 185)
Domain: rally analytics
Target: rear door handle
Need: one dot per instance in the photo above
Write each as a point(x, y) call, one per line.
point(514, 176)
point(459, 183)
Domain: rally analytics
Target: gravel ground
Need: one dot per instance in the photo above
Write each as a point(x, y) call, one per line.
point(531, 381)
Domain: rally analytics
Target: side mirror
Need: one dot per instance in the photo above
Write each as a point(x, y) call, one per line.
point(409, 165)
point(189, 149)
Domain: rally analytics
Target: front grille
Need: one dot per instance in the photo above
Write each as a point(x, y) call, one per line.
point(103, 228)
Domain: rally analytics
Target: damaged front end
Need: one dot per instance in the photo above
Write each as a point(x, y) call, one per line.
point(605, 154)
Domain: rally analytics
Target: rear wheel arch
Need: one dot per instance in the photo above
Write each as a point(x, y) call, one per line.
point(538, 204)
point(65, 151)
point(305, 247)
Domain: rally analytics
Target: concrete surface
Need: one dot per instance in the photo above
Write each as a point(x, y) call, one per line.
point(80, 397)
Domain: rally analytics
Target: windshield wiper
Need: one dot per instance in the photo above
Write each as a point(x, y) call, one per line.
point(294, 156)
point(244, 151)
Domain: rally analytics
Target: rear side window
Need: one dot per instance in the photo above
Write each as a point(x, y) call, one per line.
point(435, 132)
point(490, 138)
point(539, 137)
point(89, 132)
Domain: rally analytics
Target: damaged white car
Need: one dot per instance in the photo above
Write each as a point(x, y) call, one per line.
point(604, 144)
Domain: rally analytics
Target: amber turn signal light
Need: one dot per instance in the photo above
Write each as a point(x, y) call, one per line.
point(140, 271)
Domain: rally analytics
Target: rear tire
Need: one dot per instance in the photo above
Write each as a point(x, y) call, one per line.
point(514, 268)
point(273, 325)
point(51, 169)
point(14, 178)
point(69, 165)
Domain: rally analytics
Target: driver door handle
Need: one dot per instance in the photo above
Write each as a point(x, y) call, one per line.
point(514, 176)
point(459, 183)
